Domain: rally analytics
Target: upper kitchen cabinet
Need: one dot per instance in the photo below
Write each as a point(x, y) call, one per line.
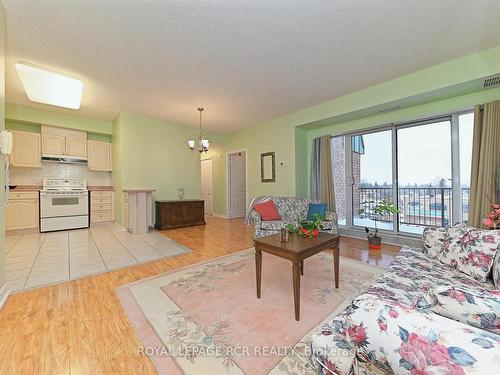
point(76, 147)
point(99, 156)
point(64, 142)
point(53, 144)
point(25, 149)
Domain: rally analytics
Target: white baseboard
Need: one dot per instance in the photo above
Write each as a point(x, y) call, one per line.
point(4, 294)
point(222, 216)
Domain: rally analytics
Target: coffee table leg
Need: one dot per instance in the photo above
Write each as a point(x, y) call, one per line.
point(302, 268)
point(296, 289)
point(258, 268)
point(336, 259)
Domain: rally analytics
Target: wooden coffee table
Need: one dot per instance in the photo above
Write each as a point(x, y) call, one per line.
point(297, 250)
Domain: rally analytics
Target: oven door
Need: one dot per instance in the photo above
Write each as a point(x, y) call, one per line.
point(63, 204)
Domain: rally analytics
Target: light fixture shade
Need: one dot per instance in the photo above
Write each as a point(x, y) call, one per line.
point(203, 143)
point(44, 86)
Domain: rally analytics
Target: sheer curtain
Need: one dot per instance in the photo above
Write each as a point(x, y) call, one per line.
point(322, 172)
point(485, 161)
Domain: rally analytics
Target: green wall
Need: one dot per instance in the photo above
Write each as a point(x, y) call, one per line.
point(273, 136)
point(117, 174)
point(431, 91)
point(2, 158)
point(153, 153)
point(36, 128)
point(22, 114)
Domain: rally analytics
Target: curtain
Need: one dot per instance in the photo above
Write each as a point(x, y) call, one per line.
point(315, 161)
point(322, 187)
point(485, 161)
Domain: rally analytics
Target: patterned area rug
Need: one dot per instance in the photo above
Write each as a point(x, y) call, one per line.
point(206, 318)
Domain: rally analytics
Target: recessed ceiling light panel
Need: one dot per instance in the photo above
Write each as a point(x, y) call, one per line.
point(44, 86)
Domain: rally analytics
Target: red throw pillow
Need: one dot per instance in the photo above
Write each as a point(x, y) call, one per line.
point(267, 211)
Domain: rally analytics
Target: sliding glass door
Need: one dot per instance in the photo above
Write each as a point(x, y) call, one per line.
point(465, 131)
point(422, 167)
point(424, 176)
point(371, 156)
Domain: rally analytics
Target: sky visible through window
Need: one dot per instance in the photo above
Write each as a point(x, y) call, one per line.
point(424, 154)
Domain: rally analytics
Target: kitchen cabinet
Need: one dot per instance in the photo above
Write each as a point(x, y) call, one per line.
point(53, 144)
point(99, 156)
point(25, 149)
point(22, 211)
point(76, 147)
point(64, 142)
point(125, 210)
point(101, 206)
point(138, 210)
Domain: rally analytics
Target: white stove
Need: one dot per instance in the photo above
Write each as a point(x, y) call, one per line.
point(64, 204)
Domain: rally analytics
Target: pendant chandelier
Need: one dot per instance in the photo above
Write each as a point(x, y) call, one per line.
point(203, 143)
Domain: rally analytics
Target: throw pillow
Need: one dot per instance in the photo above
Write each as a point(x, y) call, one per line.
point(470, 250)
point(267, 211)
point(477, 307)
point(432, 240)
point(316, 208)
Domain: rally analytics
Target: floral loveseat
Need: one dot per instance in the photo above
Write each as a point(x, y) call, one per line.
point(292, 210)
point(423, 316)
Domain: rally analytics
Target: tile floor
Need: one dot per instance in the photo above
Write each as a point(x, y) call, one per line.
point(39, 259)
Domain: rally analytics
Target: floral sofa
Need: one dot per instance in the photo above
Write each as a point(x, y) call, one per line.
point(429, 313)
point(292, 210)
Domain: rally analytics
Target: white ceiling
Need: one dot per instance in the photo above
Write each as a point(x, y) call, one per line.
point(245, 61)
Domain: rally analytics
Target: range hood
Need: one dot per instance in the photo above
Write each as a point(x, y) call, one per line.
point(64, 159)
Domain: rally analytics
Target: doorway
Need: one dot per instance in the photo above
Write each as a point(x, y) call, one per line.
point(207, 185)
point(237, 184)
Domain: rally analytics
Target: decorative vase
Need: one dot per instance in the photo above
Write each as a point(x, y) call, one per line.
point(307, 232)
point(375, 243)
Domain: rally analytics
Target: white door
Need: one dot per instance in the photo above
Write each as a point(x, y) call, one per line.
point(237, 185)
point(207, 185)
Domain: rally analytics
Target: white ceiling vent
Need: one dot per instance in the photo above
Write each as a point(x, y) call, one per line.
point(491, 81)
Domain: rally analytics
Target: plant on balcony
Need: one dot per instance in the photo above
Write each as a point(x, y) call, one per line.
point(492, 220)
point(381, 209)
point(307, 228)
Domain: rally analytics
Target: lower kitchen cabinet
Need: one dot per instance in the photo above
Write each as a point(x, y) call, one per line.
point(101, 206)
point(22, 211)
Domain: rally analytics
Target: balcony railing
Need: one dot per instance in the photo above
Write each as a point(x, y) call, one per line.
point(429, 206)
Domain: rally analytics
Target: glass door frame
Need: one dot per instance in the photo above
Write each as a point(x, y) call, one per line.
point(350, 179)
point(453, 118)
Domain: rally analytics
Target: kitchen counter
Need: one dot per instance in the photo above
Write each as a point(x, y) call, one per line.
point(100, 188)
point(27, 188)
point(139, 190)
point(39, 187)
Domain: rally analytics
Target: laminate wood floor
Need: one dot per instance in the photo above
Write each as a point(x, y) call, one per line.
point(79, 327)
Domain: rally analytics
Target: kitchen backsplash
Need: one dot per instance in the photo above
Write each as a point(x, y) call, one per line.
point(34, 176)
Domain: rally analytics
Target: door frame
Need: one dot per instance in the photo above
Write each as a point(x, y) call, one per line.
point(228, 180)
point(212, 190)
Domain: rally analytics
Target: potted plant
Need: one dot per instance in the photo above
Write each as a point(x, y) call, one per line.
point(381, 209)
point(307, 228)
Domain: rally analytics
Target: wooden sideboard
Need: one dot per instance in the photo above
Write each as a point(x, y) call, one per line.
point(179, 213)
